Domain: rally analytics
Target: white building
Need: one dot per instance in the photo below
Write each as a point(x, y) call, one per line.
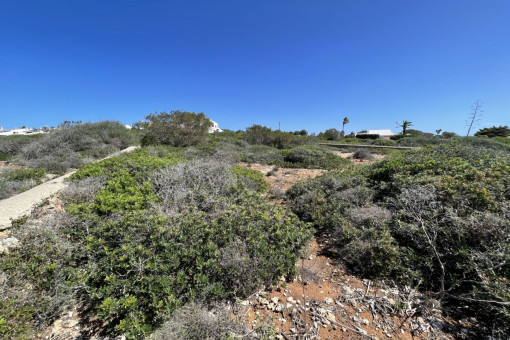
point(382, 133)
point(22, 131)
point(214, 127)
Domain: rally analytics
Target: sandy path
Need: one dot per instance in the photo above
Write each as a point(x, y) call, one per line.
point(22, 204)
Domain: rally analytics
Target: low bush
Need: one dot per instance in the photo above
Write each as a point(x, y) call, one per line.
point(312, 158)
point(252, 179)
point(15, 181)
point(384, 142)
point(421, 141)
point(197, 321)
point(363, 154)
point(35, 279)
point(261, 154)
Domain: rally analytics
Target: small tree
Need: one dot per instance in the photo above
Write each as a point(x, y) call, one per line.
point(331, 134)
point(495, 131)
point(405, 124)
point(438, 131)
point(177, 128)
point(447, 134)
point(258, 134)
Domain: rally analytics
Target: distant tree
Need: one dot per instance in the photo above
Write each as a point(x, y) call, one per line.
point(475, 115)
point(414, 132)
point(258, 134)
point(139, 125)
point(438, 131)
point(176, 128)
point(405, 124)
point(344, 122)
point(448, 135)
point(301, 133)
point(331, 134)
point(495, 131)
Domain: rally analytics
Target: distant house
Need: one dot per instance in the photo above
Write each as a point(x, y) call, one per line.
point(382, 133)
point(21, 131)
point(214, 127)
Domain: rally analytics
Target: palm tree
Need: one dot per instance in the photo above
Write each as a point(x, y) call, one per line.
point(405, 124)
point(345, 121)
point(438, 131)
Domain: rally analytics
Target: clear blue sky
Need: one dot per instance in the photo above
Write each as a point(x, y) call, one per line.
point(306, 64)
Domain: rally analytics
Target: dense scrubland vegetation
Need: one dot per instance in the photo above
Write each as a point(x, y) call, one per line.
point(165, 238)
point(436, 218)
point(144, 235)
point(69, 146)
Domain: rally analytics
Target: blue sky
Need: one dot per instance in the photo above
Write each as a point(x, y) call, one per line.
point(305, 64)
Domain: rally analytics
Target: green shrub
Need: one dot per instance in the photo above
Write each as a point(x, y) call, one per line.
point(36, 278)
point(252, 179)
point(312, 157)
point(384, 142)
point(15, 181)
point(24, 174)
point(421, 141)
point(362, 154)
point(261, 154)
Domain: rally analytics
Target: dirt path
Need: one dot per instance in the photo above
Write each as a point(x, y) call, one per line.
point(22, 204)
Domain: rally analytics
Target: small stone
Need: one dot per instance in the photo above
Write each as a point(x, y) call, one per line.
point(275, 299)
point(290, 299)
point(328, 300)
point(361, 330)
point(263, 301)
point(293, 330)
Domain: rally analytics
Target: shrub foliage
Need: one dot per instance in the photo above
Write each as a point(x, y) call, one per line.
point(176, 128)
